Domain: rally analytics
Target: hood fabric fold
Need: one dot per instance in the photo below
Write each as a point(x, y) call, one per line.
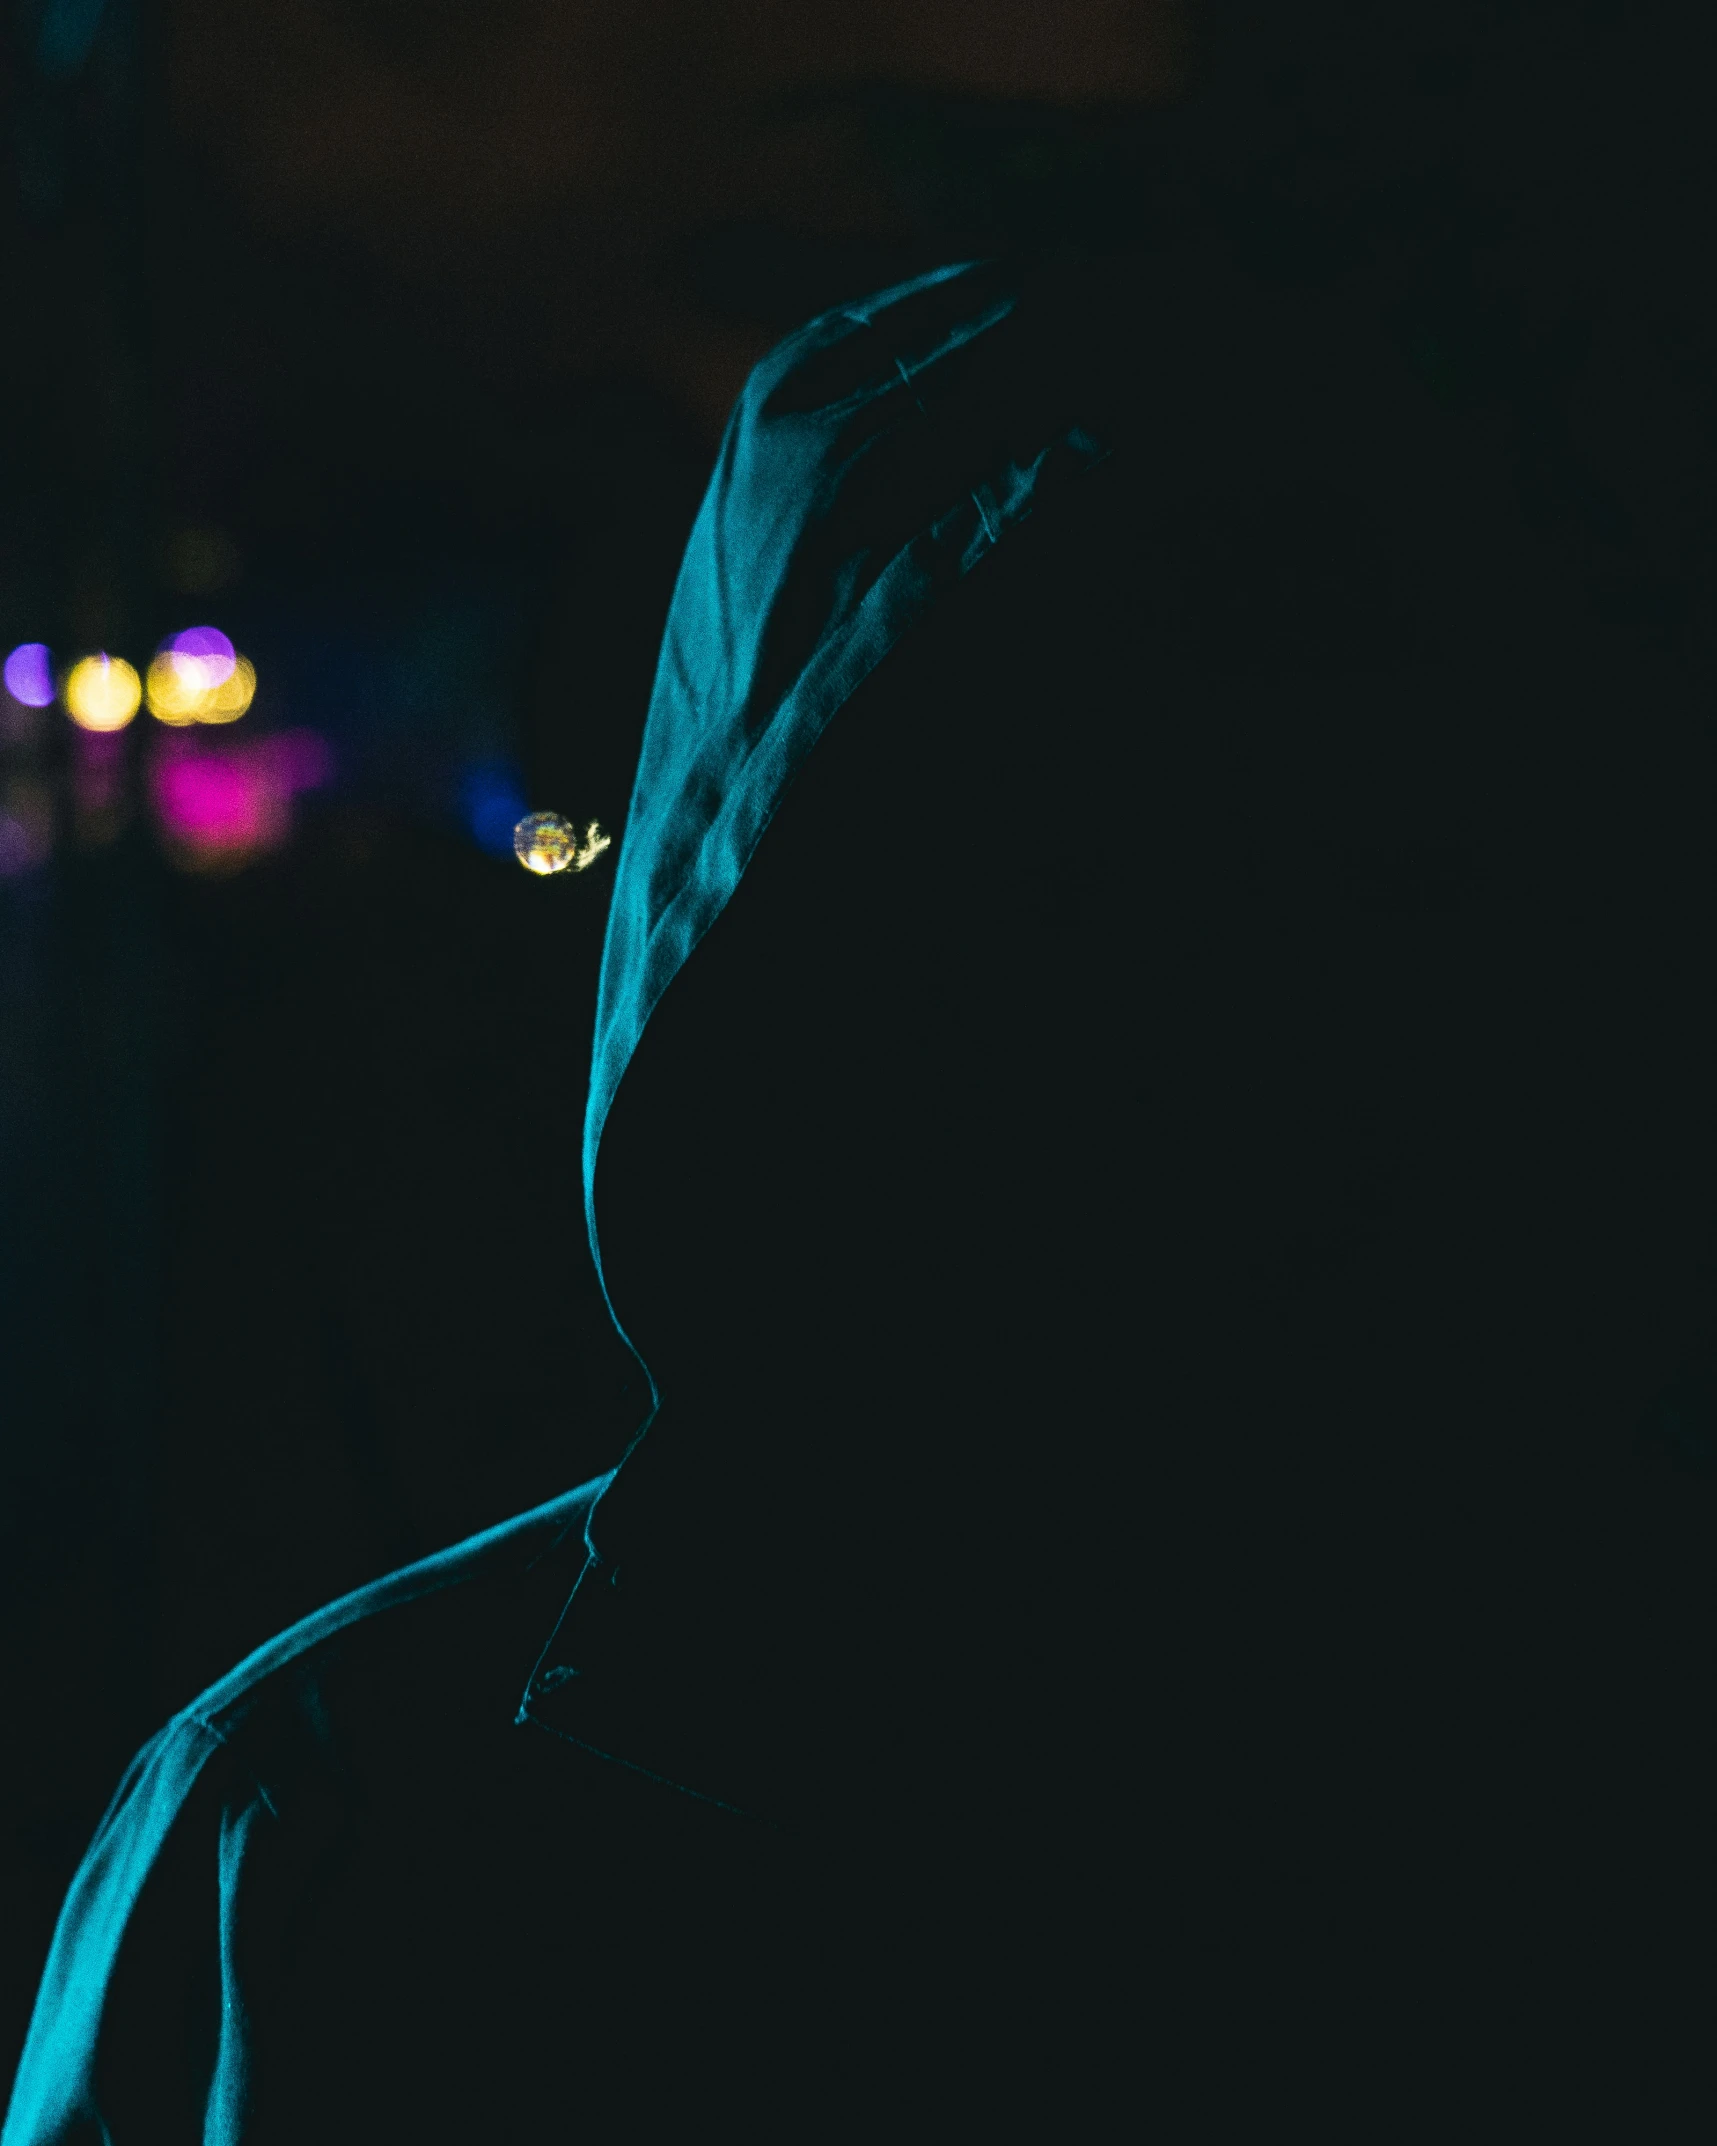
point(872, 462)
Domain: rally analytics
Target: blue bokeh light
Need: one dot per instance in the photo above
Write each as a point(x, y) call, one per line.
point(492, 803)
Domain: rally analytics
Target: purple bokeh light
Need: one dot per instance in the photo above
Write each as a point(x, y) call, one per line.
point(30, 675)
point(213, 653)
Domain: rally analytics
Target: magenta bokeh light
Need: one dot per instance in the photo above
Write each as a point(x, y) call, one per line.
point(235, 798)
point(30, 675)
point(221, 803)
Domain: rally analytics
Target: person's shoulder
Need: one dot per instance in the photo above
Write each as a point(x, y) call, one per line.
point(484, 1601)
point(372, 1701)
point(453, 1633)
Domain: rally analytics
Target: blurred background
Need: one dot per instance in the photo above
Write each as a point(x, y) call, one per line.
point(363, 362)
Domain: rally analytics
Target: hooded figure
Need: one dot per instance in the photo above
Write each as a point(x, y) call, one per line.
point(1146, 1131)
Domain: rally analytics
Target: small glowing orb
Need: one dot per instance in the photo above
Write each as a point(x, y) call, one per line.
point(102, 693)
point(543, 842)
point(30, 676)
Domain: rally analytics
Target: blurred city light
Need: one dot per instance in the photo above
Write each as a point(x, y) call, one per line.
point(198, 677)
point(190, 688)
point(102, 693)
point(491, 797)
point(226, 702)
point(30, 675)
point(209, 649)
point(544, 843)
point(221, 805)
point(174, 692)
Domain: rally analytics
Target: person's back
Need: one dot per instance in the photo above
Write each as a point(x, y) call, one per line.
point(1141, 1122)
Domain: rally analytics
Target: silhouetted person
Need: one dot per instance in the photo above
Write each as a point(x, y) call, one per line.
point(1146, 1120)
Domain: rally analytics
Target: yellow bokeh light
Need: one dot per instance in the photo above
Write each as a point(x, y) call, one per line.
point(226, 702)
point(102, 693)
point(174, 689)
point(180, 692)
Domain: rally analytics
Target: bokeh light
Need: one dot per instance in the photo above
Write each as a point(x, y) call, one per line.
point(102, 693)
point(226, 702)
point(545, 843)
point(209, 649)
point(491, 798)
point(219, 806)
point(30, 675)
point(174, 692)
point(187, 687)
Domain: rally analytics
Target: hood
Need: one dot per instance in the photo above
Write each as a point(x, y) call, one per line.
point(873, 461)
point(1038, 1097)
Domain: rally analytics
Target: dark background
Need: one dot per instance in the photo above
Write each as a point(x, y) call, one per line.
point(396, 336)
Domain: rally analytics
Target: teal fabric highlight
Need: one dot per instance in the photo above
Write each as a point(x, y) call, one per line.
point(873, 460)
point(197, 1776)
point(55, 2095)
